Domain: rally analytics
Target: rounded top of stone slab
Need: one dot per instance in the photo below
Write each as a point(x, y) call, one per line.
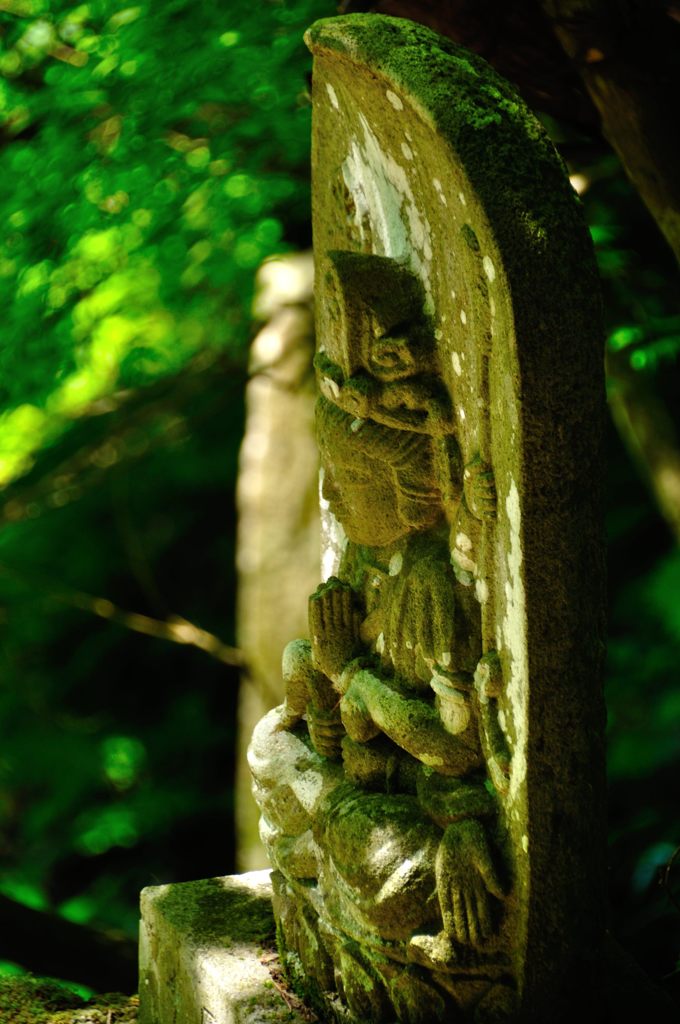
point(508, 159)
point(426, 65)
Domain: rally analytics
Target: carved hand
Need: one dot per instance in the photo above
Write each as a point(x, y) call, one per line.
point(421, 621)
point(325, 730)
point(479, 488)
point(466, 881)
point(355, 715)
point(334, 621)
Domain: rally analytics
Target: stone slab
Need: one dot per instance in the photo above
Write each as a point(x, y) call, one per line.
point(201, 950)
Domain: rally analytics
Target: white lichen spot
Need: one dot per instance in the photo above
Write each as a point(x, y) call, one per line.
point(408, 136)
point(409, 645)
point(501, 720)
point(514, 641)
point(463, 542)
point(492, 307)
point(375, 582)
point(463, 561)
point(461, 413)
point(380, 643)
point(481, 591)
point(453, 294)
point(439, 334)
point(396, 562)
point(356, 424)
point(525, 843)
point(331, 386)
point(489, 268)
point(394, 100)
point(407, 151)
point(307, 787)
point(457, 368)
point(333, 537)
point(439, 190)
point(387, 213)
point(446, 659)
point(333, 96)
point(463, 317)
point(462, 198)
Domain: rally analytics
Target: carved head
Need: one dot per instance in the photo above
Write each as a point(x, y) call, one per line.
point(376, 301)
point(377, 357)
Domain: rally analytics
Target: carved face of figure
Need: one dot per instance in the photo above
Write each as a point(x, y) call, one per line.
point(379, 482)
point(362, 495)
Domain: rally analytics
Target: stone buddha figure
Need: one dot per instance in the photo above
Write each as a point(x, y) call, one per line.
point(377, 810)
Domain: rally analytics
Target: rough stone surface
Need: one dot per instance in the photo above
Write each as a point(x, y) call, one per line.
point(431, 788)
point(201, 946)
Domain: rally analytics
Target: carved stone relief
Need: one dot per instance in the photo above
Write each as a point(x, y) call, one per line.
point(404, 783)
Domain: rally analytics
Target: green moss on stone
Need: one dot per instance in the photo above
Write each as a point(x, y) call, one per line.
point(28, 1000)
point(508, 158)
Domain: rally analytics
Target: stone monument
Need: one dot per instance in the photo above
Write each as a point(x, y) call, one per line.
point(431, 789)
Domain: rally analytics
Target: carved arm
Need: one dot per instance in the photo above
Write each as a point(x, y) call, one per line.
point(370, 705)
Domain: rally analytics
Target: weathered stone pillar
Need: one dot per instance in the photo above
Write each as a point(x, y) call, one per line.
point(278, 546)
point(432, 787)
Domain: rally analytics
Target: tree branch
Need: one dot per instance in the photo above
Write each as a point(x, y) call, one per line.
point(175, 628)
point(628, 55)
point(649, 434)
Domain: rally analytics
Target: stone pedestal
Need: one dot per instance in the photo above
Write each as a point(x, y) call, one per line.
point(202, 947)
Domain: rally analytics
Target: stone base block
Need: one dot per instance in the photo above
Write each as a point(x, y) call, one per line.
point(201, 946)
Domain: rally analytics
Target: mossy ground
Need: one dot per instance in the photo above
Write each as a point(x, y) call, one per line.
point(29, 1000)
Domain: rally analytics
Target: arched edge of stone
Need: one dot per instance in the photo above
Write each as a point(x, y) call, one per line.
point(553, 341)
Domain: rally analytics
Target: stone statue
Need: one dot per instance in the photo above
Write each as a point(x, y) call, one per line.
point(392, 781)
point(401, 837)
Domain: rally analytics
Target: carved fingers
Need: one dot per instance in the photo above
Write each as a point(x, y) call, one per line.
point(466, 882)
point(325, 730)
point(470, 923)
point(421, 622)
point(334, 621)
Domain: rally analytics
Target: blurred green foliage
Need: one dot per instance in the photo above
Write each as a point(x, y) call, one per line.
point(640, 292)
point(151, 156)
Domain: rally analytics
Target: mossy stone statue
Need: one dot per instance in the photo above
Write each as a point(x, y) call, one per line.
point(431, 789)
